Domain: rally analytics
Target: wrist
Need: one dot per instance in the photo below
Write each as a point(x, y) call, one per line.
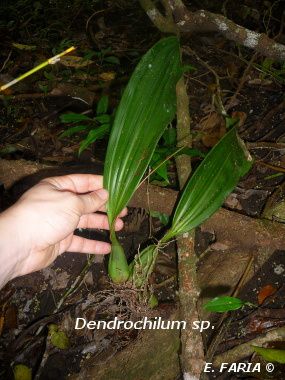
point(9, 248)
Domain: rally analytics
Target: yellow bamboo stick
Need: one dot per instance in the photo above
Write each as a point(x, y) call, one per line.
point(50, 61)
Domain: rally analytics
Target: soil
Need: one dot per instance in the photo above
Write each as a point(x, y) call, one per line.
point(240, 249)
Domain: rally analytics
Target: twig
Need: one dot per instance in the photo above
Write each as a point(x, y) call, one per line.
point(218, 93)
point(159, 165)
point(165, 282)
point(90, 18)
point(73, 287)
point(265, 145)
point(279, 34)
point(29, 96)
point(266, 25)
point(241, 83)
point(6, 61)
point(198, 81)
point(243, 60)
point(76, 283)
point(43, 360)
point(273, 167)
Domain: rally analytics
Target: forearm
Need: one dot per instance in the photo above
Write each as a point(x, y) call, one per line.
point(9, 248)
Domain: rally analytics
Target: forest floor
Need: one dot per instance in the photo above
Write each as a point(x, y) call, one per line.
point(240, 249)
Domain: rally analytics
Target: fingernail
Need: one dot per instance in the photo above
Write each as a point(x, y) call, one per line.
point(103, 194)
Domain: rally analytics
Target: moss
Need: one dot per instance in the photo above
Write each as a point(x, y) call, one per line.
point(154, 356)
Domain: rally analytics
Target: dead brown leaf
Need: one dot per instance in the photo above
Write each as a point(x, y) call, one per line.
point(265, 292)
point(213, 127)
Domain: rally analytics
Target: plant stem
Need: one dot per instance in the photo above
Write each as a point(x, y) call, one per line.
point(118, 268)
point(192, 352)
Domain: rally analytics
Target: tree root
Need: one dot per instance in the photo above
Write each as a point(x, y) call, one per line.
point(244, 350)
point(207, 22)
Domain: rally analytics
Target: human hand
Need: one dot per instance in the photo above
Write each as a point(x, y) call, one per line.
point(40, 225)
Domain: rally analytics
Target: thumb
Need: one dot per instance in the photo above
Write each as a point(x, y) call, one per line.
point(93, 201)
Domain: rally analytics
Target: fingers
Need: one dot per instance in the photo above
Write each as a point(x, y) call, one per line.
point(98, 221)
point(93, 201)
point(103, 208)
point(77, 183)
point(123, 213)
point(82, 245)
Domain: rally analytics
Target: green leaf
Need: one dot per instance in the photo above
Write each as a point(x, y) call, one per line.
point(103, 118)
point(161, 170)
point(161, 152)
point(153, 301)
point(231, 122)
point(165, 151)
point(280, 174)
point(43, 88)
point(112, 59)
point(24, 47)
point(148, 105)
point(222, 304)
point(73, 117)
point(164, 218)
point(98, 54)
point(7, 149)
point(211, 183)
point(88, 55)
point(267, 64)
point(271, 354)
point(73, 130)
point(102, 105)
point(22, 372)
point(192, 152)
point(58, 338)
point(49, 75)
point(105, 51)
point(188, 68)
point(169, 137)
point(95, 134)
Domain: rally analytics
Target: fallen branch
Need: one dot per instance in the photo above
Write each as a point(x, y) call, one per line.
point(245, 233)
point(163, 23)
point(207, 22)
point(244, 350)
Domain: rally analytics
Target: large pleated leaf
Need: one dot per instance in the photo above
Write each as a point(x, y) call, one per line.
point(204, 193)
point(211, 183)
point(148, 105)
